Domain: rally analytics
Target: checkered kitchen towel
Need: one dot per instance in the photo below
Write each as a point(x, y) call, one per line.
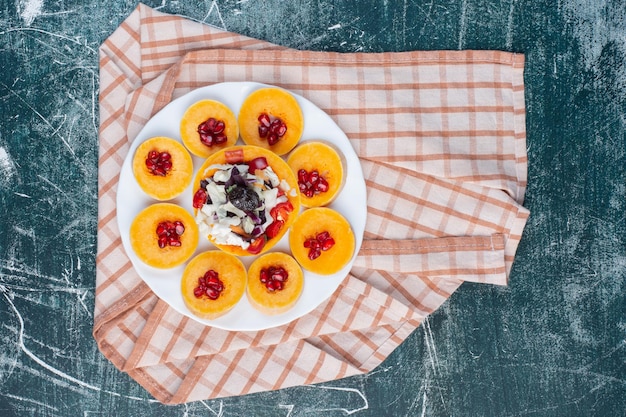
point(441, 140)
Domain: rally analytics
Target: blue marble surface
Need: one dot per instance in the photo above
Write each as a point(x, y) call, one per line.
point(552, 343)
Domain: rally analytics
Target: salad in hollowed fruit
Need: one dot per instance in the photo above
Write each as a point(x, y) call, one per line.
point(245, 198)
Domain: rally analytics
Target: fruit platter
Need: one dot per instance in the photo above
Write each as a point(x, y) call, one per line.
point(242, 205)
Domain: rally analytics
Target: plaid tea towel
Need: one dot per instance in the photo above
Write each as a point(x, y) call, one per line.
point(440, 137)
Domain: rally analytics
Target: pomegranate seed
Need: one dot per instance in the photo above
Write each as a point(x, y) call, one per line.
point(219, 127)
point(311, 183)
point(168, 233)
point(277, 276)
point(275, 126)
point(274, 277)
point(328, 243)
point(322, 236)
point(210, 285)
point(264, 120)
point(213, 281)
point(282, 129)
point(211, 132)
point(271, 128)
point(323, 241)
point(302, 176)
point(212, 293)
point(322, 185)
point(272, 138)
point(159, 163)
point(220, 138)
point(199, 198)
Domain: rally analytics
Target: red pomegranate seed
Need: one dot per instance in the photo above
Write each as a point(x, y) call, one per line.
point(274, 277)
point(264, 120)
point(219, 127)
point(272, 138)
point(322, 236)
point(311, 183)
point(263, 276)
point(159, 163)
point(271, 128)
point(275, 126)
point(220, 138)
point(168, 233)
point(199, 198)
point(211, 132)
point(314, 254)
point(328, 243)
point(322, 185)
point(210, 285)
point(282, 129)
point(303, 176)
point(323, 241)
point(212, 293)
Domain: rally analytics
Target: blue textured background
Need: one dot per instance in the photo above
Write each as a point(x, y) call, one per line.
point(552, 343)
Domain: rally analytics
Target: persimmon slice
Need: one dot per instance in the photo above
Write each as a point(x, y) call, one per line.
point(275, 301)
point(319, 167)
point(276, 104)
point(203, 118)
point(318, 221)
point(170, 183)
point(144, 238)
point(232, 274)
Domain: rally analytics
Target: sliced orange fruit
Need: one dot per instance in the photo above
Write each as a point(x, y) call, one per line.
point(275, 282)
point(208, 126)
point(320, 169)
point(322, 240)
point(213, 282)
point(164, 235)
point(162, 167)
point(271, 118)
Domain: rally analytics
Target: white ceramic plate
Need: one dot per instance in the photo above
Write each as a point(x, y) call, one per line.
point(351, 203)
